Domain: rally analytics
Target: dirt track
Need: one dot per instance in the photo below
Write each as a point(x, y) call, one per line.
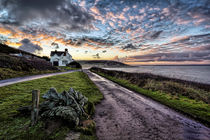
point(125, 115)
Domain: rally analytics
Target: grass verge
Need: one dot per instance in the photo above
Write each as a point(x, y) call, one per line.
point(66, 68)
point(14, 126)
point(6, 73)
point(198, 110)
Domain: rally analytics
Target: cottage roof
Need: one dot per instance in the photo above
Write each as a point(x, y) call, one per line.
point(59, 53)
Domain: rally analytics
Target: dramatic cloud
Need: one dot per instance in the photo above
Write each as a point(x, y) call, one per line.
point(122, 27)
point(200, 54)
point(123, 59)
point(155, 35)
point(61, 13)
point(129, 47)
point(30, 47)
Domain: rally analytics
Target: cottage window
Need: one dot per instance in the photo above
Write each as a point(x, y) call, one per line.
point(64, 62)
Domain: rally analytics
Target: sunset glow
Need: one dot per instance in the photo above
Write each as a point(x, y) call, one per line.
point(133, 32)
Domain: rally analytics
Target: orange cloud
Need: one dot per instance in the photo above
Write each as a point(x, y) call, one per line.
point(82, 4)
point(103, 20)
point(4, 31)
point(182, 21)
point(135, 6)
point(166, 11)
point(14, 44)
point(95, 10)
point(111, 24)
point(122, 17)
point(126, 9)
point(91, 46)
point(175, 39)
point(199, 21)
point(110, 15)
point(128, 30)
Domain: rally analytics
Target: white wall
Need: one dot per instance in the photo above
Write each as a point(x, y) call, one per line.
point(61, 58)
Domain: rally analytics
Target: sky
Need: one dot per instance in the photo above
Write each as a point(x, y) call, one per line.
point(130, 31)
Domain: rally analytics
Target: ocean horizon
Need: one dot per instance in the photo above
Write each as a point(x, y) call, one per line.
point(195, 73)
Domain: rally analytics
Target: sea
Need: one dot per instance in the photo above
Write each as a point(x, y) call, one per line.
point(197, 73)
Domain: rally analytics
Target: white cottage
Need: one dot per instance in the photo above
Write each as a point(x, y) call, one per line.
point(60, 58)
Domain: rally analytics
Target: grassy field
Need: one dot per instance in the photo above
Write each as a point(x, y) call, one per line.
point(12, 66)
point(66, 68)
point(189, 104)
point(14, 126)
point(6, 73)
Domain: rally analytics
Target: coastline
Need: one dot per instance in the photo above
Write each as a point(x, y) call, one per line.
point(161, 77)
point(198, 74)
point(190, 98)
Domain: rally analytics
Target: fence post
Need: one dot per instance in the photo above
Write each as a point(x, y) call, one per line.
point(35, 107)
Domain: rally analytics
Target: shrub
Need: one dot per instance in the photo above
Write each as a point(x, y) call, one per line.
point(74, 64)
point(23, 64)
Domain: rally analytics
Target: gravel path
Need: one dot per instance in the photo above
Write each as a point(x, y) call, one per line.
point(125, 115)
point(29, 78)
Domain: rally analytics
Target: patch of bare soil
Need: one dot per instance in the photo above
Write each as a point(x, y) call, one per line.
point(126, 115)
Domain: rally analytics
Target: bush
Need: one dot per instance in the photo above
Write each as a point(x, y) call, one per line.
point(74, 64)
point(23, 64)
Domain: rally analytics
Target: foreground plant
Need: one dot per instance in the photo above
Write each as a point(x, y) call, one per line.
point(67, 106)
point(16, 125)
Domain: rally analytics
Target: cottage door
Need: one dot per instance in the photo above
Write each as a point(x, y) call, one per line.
point(55, 63)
